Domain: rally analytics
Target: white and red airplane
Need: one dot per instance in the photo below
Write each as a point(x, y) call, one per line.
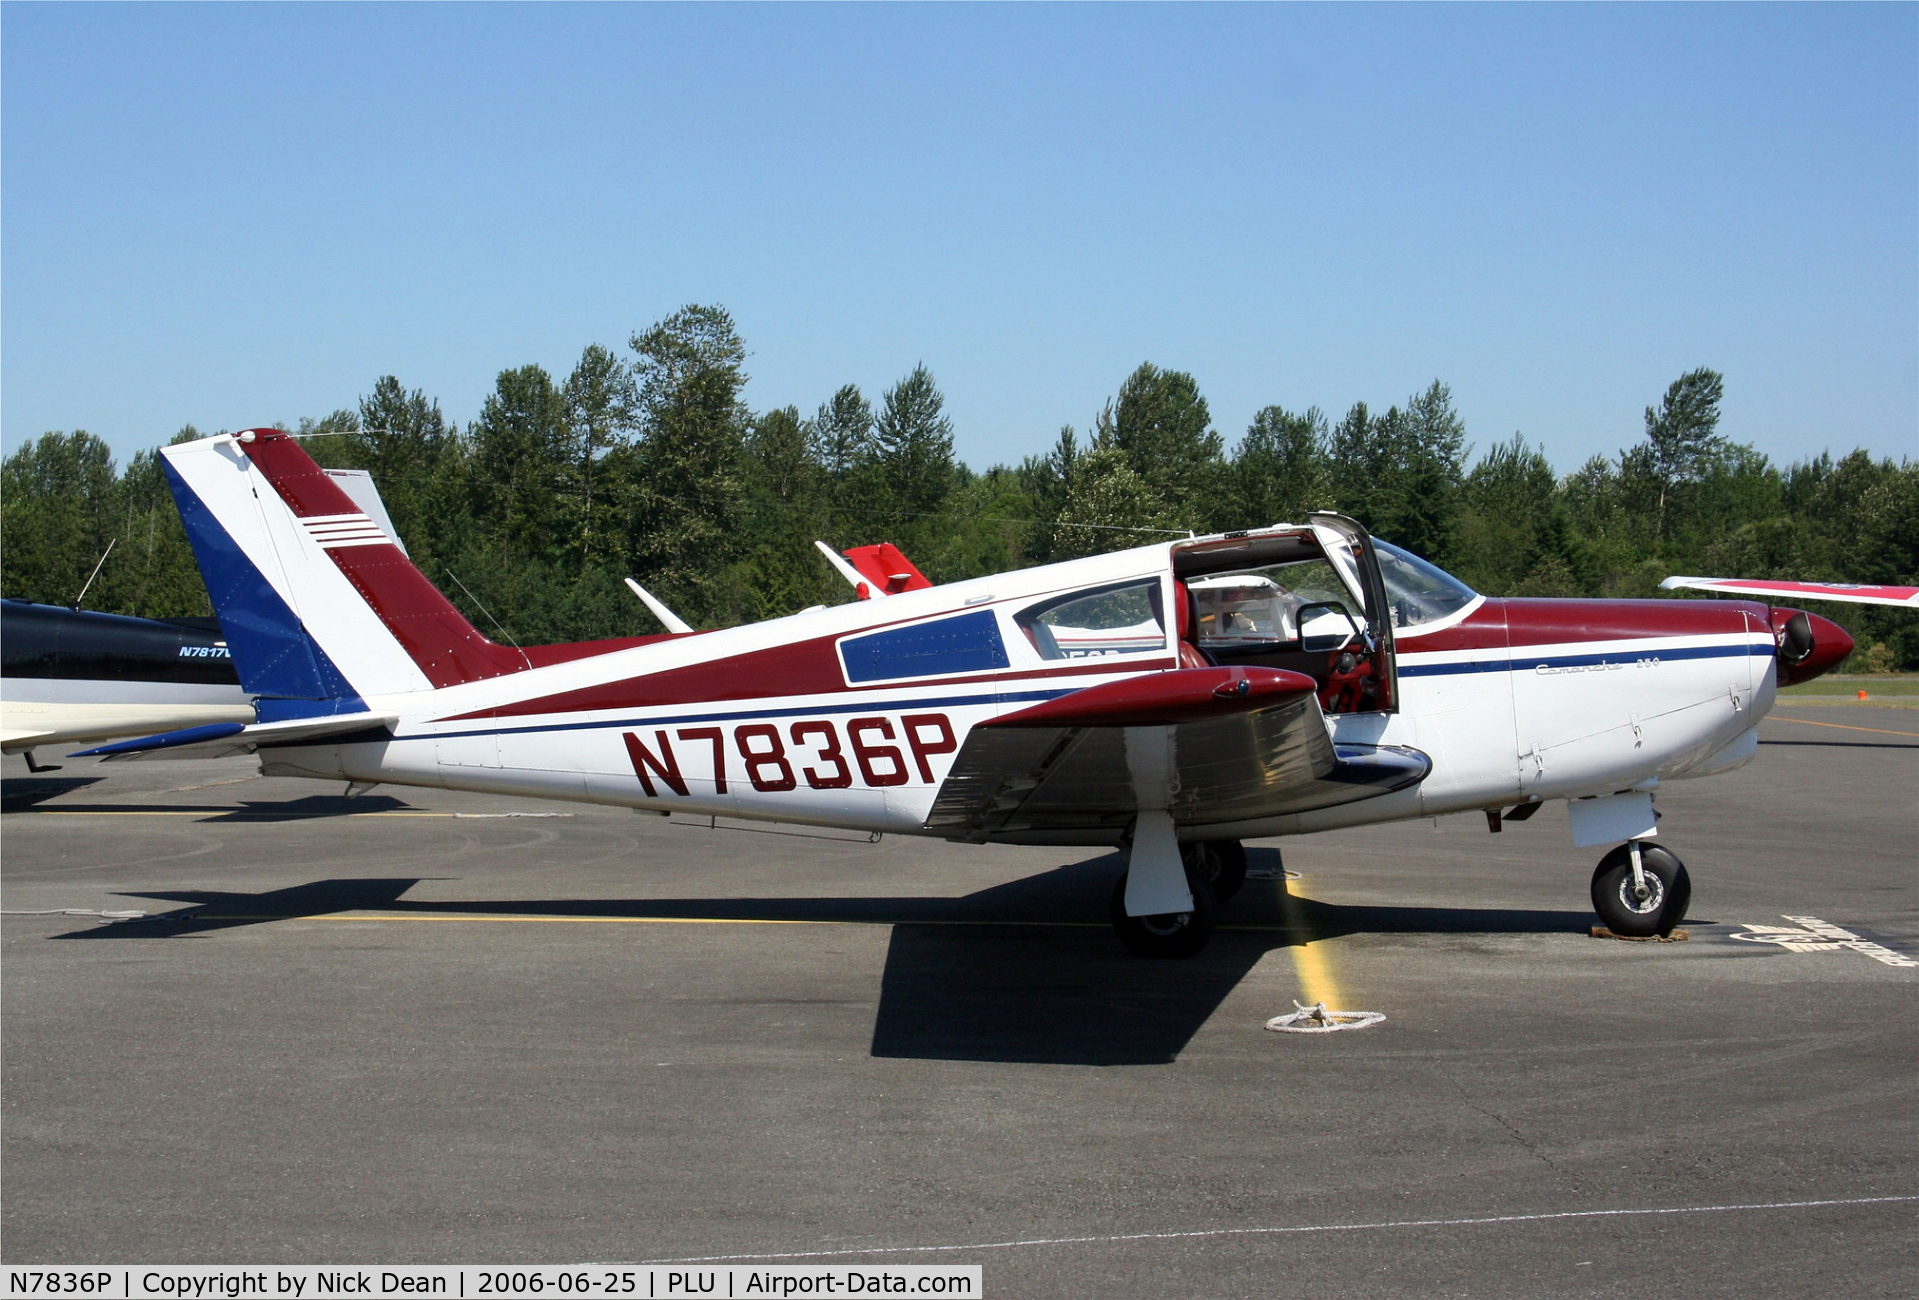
point(1172, 699)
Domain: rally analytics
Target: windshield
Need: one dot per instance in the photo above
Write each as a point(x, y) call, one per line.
point(1419, 592)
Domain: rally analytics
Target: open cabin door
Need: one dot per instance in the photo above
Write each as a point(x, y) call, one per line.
point(1309, 598)
point(1350, 547)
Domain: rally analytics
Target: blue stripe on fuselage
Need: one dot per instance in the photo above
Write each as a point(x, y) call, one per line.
point(1625, 659)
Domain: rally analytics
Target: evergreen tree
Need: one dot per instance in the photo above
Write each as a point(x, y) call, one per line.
point(1513, 533)
point(409, 448)
point(656, 468)
point(522, 459)
point(842, 432)
point(914, 442)
point(601, 411)
point(684, 494)
point(1432, 439)
point(59, 512)
point(1161, 425)
point(153, 572)
point(1280, 469)
point(1400, 473)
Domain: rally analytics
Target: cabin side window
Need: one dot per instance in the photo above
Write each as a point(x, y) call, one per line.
point(1122, 619)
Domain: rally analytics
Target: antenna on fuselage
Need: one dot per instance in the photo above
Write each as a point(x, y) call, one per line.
point(673, 622)
point(96, 572)
point(861, 587)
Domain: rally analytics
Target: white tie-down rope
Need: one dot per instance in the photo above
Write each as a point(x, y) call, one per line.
point(1316, 1019)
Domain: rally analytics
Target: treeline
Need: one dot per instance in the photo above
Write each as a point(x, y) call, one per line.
point(650, 464)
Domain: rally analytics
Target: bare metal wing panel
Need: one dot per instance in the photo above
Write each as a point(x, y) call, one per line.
point(1012, 781)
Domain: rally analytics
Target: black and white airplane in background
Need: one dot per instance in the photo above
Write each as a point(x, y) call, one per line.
point(70, 675)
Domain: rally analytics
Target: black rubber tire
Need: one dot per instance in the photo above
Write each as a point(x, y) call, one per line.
point(1666, 878)
point(1222, 863)
point(1174, 934)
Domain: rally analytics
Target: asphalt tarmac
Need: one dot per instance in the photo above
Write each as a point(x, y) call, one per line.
point(425, 1027)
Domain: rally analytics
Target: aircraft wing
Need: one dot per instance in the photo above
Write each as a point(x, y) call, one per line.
point(222, 738)
point(1851, 593)
point(1247, 743)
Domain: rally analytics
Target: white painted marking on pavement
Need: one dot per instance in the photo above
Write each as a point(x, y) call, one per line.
point(1318, 1227)
point(1815, 935)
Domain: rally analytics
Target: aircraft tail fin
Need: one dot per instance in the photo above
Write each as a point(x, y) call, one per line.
point(319, 604)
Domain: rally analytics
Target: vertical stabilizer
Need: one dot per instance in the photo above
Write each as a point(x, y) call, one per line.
point(319, 604)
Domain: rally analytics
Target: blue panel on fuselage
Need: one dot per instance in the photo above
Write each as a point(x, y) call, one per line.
point(968, 643)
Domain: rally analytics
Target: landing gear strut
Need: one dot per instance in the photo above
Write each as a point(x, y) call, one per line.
point(1215, 870)
point(1172, 934)
point(1640, 890)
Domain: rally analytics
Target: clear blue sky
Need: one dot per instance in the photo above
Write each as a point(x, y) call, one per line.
point(238, 214)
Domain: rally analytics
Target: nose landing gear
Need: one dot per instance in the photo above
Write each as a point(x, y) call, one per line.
point(1641, 890)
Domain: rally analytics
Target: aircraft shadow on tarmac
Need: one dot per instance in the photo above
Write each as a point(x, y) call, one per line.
point(249, 810)
point(1024, 971)
point(17, 793)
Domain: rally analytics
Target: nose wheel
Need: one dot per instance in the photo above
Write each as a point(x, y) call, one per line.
point(1641, 890)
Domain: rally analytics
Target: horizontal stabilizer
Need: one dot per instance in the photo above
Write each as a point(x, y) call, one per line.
point(223, 738)
point(1848, 592)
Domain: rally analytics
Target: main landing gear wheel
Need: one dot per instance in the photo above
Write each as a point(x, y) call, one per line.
point(1172, 934)
point(1221, 863)
point(1638, 910)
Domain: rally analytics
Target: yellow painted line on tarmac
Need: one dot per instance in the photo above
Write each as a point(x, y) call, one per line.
point(1844, 726)
point(1315, 975)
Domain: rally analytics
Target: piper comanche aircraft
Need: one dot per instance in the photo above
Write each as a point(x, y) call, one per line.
point(1171, 700)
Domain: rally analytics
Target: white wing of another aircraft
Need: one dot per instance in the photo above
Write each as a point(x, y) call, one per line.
point(1851, 593)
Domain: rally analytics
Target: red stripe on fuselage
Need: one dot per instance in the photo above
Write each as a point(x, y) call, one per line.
point(809, 667)
point(1519, 621)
